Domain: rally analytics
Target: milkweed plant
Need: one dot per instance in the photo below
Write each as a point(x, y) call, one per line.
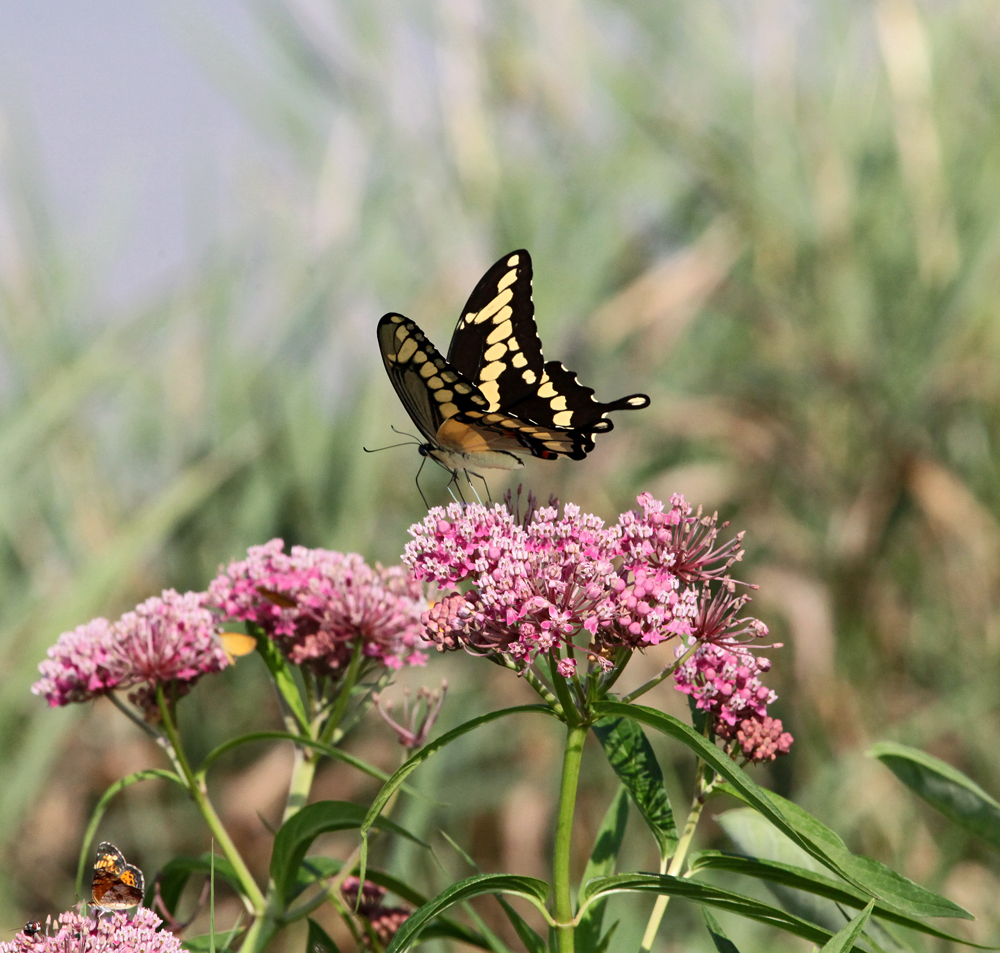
point(561, 600)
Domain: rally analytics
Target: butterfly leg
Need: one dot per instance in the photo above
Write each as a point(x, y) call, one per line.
point(469, 474)
point(416, 480)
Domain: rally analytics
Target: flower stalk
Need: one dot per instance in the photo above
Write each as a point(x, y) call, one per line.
point(561, 882)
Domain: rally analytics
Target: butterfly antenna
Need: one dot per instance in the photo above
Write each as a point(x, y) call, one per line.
point(403, 433)
point(391, 446)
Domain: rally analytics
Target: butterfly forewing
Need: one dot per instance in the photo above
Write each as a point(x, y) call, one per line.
point(496, 345)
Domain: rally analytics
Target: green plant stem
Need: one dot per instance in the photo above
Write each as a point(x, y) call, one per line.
point(676, 866)
point(572, 757)
point(252, 896)
point(656, 679)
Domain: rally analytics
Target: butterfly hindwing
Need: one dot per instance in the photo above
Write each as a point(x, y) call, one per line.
point(496, 345)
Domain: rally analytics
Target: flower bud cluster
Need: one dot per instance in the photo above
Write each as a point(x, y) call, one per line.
point(318, 605)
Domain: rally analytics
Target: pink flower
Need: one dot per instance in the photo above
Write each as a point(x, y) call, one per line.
point(73, 933)
point(170, 640)
point(318, 605)
point(385, 921)
point(723, 681)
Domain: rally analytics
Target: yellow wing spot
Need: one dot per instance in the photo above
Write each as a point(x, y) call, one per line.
point(545, 376)
point(500, 333)
point(402, 333)
point(513, 261)
point(462, 388)
point(495, 353)
point(406, 350)
point(491, 391)
point(419, 357)
point(510, 422)
point(558, 403)
point(435, 382)
point(449, 377)
point(513, 345)
point(529, 376)
point(491, 372)
point(397, 319)
point(546, 390)
point(494, 306)
point(554, 444)
point(444, 395)
point(448, 410)
point(474, 413)
point(638, 401)
point(519, 360)
point(479, 399)
point(493, 418)
point(427, 369)
point(507, 279)
point(564, 419)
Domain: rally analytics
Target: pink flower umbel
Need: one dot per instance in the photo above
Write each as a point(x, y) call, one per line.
point(169, 640)
point(318, 605)
point(73, 933)
point(539, 583)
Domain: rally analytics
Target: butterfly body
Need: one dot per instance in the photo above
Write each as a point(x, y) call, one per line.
point(117, 885)
point(495, 397)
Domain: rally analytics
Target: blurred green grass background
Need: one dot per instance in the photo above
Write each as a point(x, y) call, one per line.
point(778, 220)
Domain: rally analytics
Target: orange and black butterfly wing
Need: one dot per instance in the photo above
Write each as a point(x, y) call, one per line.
point(117, 885)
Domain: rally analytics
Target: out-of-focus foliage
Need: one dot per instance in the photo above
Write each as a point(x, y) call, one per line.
point(778, 219)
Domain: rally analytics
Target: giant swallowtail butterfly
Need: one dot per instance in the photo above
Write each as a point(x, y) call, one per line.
point(495, 396)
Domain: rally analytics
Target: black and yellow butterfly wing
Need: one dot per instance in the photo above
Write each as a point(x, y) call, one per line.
point(496, 346)
point(453, 416)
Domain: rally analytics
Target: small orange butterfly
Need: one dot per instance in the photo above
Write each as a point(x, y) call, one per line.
point(117, 885)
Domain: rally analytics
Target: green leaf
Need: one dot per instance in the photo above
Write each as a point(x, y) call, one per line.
point(175, 874)
point(532, 890)
point(707, 895)
point(810, 834)
point(601, 864)
point(281, 672)
point(843, 940)
point(722, 942)
point(421, 756)
point(301, 829)
point(632, 757)
point(533, 943)
point(808, 881)
point(946, 789)
point(102, 805)
point(318, 940)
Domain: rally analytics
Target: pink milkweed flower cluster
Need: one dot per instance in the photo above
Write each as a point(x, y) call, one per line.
point(318, 605)
point(537, 584)
point(169, 640)
point(385, 921)
point(73, 933)
point(533, 586)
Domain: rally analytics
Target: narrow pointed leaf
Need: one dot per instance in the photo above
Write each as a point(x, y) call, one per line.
point(722, 942)
point(632, 757)
point(843, 940)
point(708, 896)
point(808, 881)
point(946, 789)
point(532, 890)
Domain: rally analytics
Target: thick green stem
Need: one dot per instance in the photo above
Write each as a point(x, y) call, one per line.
point(253, 898)
point(303, 772)
point(575, 737)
